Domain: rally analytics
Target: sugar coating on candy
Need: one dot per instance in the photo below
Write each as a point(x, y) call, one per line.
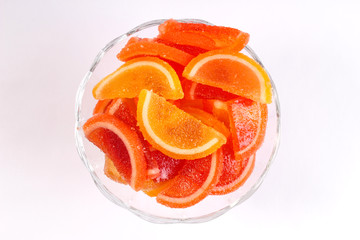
point(203, 36)
point(235, 171)
point(168, 167)
point(248, 120)
point(173, 131)
point(140, 73)
point(193, 182)
point(137, 47)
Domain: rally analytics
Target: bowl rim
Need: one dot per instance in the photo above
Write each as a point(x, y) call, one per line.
point(79, 135)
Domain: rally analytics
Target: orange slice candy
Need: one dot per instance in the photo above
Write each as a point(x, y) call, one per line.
point(232, 72)
point(101, 106)
point(202, 35)
point(189, 103)
point(137, 47)
point(153, 188)
point(194, 182)
point(207, 119)
point(193, 90)
point(248, 121)
point(121, 144)
point(189, 38)
point(150, 187)
point(185, 48)
point(111, 171)
point(140, 73)
point(219, 109)
point(173, 131)
point(124, 109)
point(235, 172)
point(168, 169)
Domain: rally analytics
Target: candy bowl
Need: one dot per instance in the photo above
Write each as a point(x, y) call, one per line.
point(138, 202)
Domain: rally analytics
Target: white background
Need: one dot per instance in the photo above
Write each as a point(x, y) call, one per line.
point(311, 49)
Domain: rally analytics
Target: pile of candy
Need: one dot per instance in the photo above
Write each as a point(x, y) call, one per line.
point(184, 115)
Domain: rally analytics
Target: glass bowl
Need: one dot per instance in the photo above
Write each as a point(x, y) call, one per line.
point(138, 202)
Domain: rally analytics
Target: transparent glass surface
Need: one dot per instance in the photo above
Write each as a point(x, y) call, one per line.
point(138, 202)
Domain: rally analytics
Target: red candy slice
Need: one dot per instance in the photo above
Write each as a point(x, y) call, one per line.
point(138, 47)
point(203, 36)
point(121, 144)
point(248, 125)
point(235, 172)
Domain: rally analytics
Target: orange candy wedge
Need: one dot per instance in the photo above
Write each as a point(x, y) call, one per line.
point(232, 72)
point(101, 106)
point(248, 121)
point(150, 187)
point(189, 38)
point(140, 73)
point(208, 119)
point(173, 131)
point(219, 109)
point(193, 90)
point(193, 183)
point(235, 172)
point(203, 36)
point(153, 188)
point(111, 171)
point(120, 144)
point(124, 109)
point(138, 47)
point(185, 48)
point(168, 167)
